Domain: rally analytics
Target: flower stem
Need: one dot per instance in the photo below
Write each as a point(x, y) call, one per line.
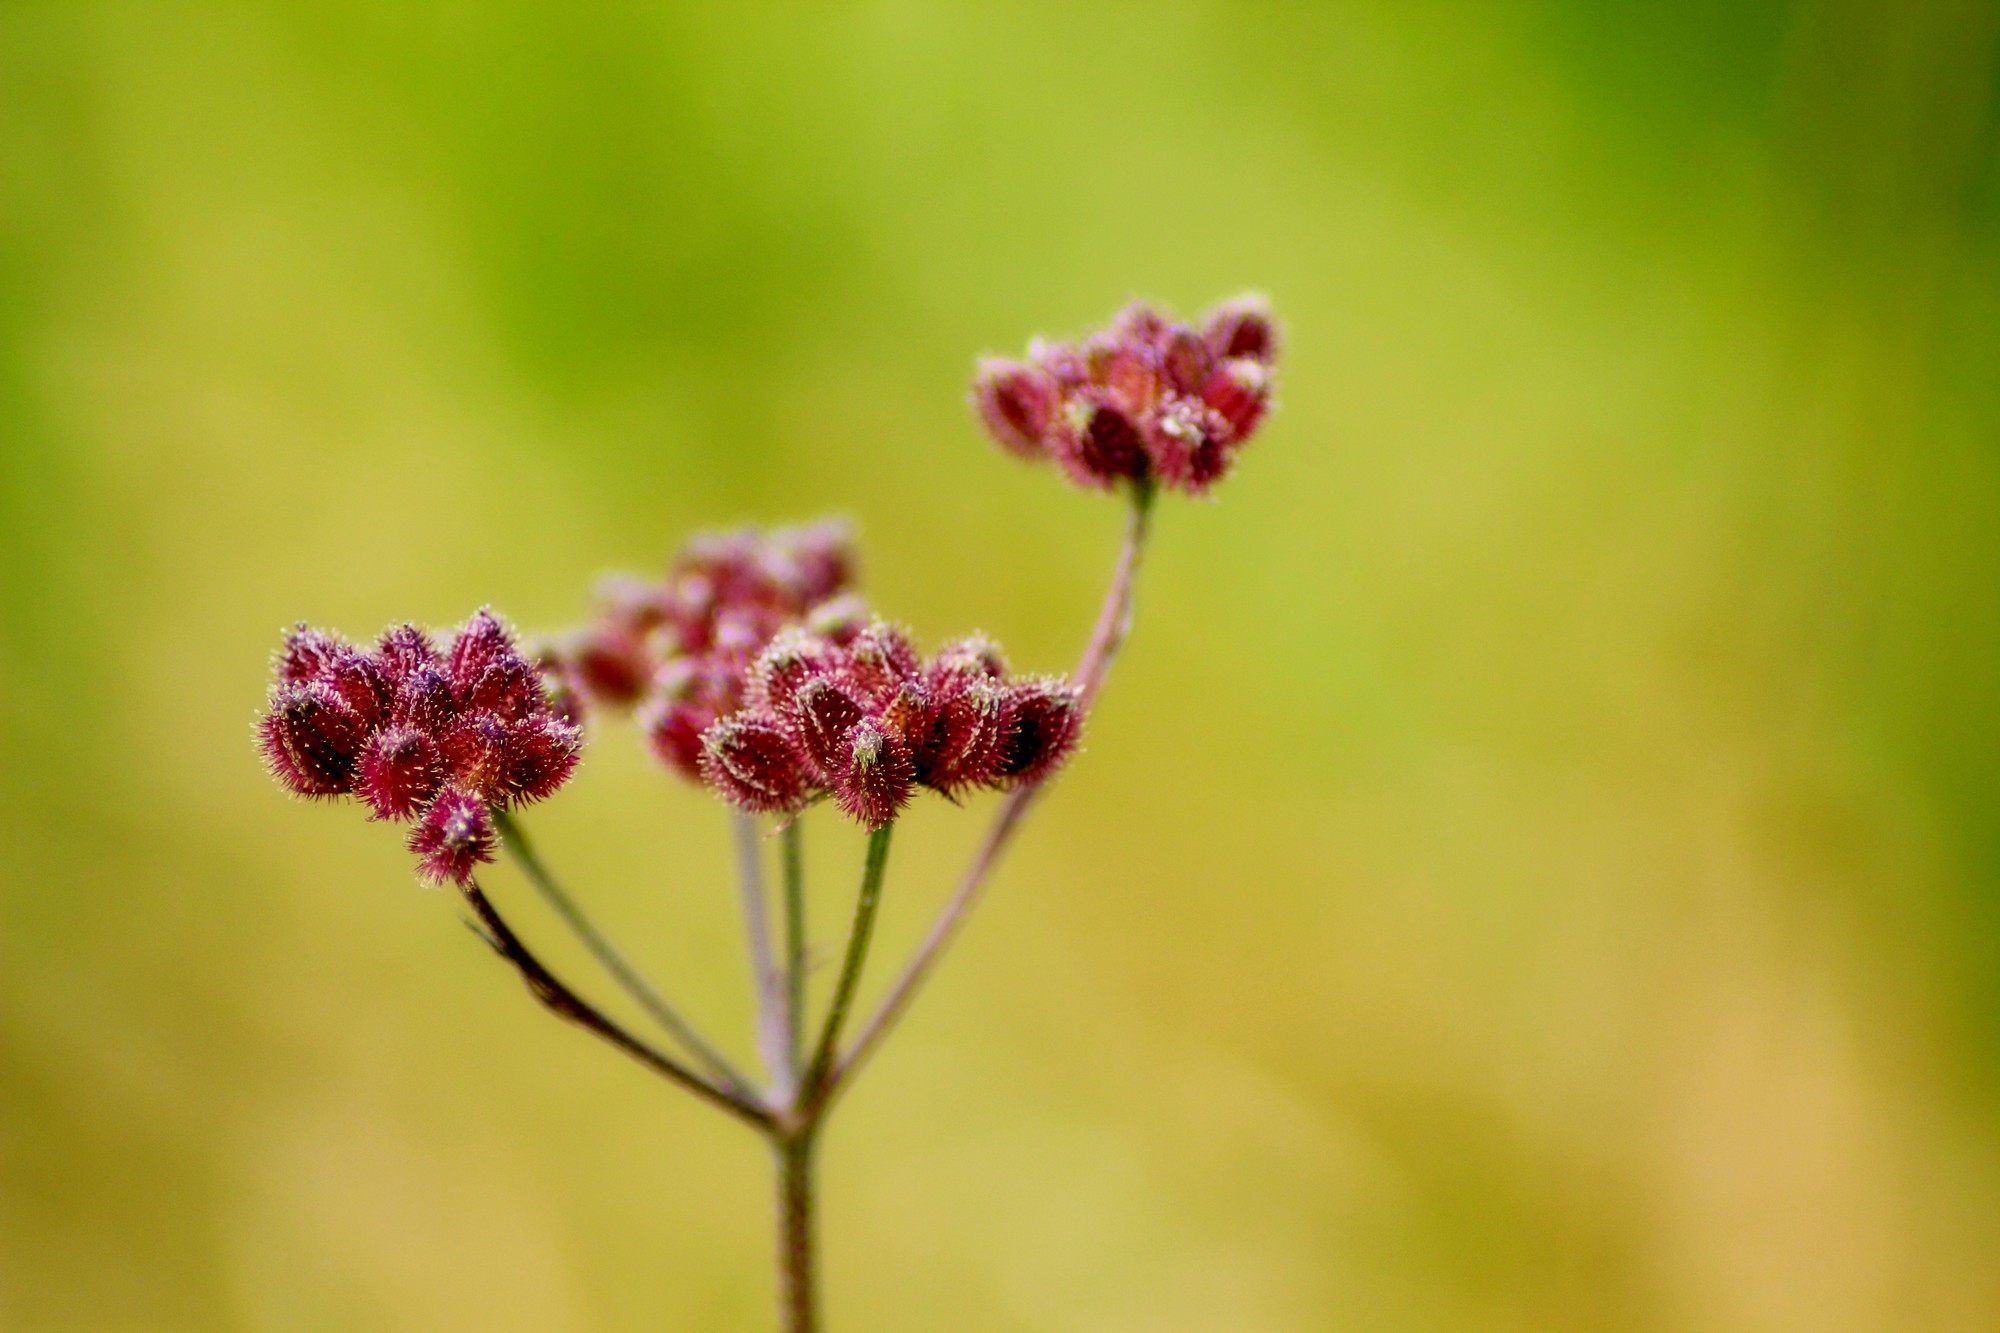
point(818, 1080)
point(798, 1278)
point(773, 1045)
point(792, 842)
point(566, 1004)
point(1114, 623)
point(607, 955)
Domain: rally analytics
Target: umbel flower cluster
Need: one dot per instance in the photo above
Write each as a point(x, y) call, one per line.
point(419, 734)
point(754, 668)
point(1147, 398)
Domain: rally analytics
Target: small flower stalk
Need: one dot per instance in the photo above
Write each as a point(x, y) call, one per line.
point(754, 668)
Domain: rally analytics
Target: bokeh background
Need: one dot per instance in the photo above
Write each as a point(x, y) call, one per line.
point(1537, 867)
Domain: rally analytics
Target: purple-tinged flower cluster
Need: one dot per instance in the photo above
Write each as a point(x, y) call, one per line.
point(1147, 398)
point(724, 597)
point(852, 711)
point(419, 734)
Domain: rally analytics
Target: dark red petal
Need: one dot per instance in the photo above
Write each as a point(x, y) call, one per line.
point(751, 762)
point(455, 834)
point(399, 772)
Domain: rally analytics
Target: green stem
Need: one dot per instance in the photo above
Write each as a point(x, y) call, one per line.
point(791, 842)
point(850, 970)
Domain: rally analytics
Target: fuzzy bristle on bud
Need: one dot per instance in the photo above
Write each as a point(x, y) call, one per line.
point(455, 834)
point(400, 770)
point(1017, 403)
point(875, 781)
point(311, 739)
point(1040, 723)
point(751, 761)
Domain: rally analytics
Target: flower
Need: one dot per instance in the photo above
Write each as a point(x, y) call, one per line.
point(420, 734)
point(1145, 400)
point(868, 721)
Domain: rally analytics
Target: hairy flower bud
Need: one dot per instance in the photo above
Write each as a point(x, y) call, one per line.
point(1041, 720)
point(821, 716)
point(540, 754)
point(752, 762)
point(403, 652)
point(1101, 445)
point(482, 640)
point(876, 780)
point(1188, 445)
point(691, 694)
point(311, 739)
point(1239, 392)
point(306, 654)
point(962, 749)
point(1017, 403)
point(454, 835)
point(399, 771)
point(1243, 327)
point(475, 748)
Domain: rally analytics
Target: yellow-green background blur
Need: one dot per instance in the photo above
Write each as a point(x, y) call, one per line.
point(1537, 867)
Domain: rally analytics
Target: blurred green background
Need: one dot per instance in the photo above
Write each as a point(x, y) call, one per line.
point(1538, 866)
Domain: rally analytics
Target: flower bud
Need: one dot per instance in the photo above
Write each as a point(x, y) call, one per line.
point(690, 694)
point(311, 739)
point(1238, 393)
point(822, 715)
point(538, 758)
point(1041, 720)
point(1017, 403)
point(405, 650)
point(973, 655)
point(1185, 360)
point(752, 763)
point(424, 701)
point(358, 680)
point(963, 747)
point(880, 659)
point(400, 770)
point(876, 780)
point(455, 834)
point(483, 639)
point(1243, 328)
point(508, 688)
point(839, 619)
point(1100, 445)
point(1186, 444)
point(475, 750)
point(306, 655)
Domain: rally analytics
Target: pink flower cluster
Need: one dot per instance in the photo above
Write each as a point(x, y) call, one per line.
point(418, 734)
point(854, 712)
point(726, 594)
point(1147, 399)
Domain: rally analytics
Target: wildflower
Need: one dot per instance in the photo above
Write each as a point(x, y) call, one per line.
point(419, 734)
point(868, 721)
point(1145, 400)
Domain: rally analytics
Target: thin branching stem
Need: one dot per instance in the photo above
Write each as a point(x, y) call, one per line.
point(791, 841)
point(773, 1046)
point(566, 1004)
point(819, 1071)
point(1114, 623)
point(614, 962)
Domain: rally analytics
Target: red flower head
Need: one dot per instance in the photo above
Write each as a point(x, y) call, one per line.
point(867, 721)
point(1146, 400)
point(416, 733)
